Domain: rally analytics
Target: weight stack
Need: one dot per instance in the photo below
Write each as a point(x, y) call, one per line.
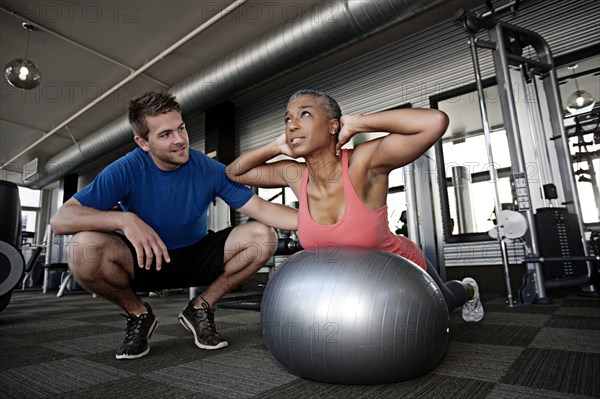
point(558, 236)
point(12, 263)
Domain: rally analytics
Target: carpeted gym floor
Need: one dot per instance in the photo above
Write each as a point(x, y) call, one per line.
point(64, 347)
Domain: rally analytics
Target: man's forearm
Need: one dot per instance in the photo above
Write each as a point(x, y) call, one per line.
point(274, 215)
point(72, 219)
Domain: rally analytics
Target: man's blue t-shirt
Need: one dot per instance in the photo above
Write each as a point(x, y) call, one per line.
point(174, 203)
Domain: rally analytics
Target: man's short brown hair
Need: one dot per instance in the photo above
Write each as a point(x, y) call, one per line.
point(151, 103)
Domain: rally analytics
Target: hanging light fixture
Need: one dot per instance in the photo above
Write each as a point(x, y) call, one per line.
point(580, 101)
point(22, 73)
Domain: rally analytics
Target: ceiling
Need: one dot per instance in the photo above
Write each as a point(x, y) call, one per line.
point(85, 49)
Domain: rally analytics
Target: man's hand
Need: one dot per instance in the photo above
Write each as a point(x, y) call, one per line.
point(146, 242)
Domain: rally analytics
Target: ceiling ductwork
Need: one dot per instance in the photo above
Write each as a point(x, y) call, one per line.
point(321, 30)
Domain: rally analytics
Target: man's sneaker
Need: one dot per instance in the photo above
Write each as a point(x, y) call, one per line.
point(201, 323)
point(472, 310)
point(139, 329)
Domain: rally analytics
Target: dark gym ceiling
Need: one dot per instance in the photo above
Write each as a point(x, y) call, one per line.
point(84, 49)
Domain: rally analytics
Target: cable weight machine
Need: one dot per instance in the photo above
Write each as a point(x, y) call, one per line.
point(551, 261)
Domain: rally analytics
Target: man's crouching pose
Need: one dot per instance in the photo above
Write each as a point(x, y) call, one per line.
point(160, 239)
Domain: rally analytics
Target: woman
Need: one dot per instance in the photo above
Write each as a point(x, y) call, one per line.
point(343, 193)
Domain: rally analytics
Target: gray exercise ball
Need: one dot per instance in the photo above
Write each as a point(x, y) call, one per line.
point(354, 316)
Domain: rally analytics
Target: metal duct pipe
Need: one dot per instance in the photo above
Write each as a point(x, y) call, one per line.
point(325, 28)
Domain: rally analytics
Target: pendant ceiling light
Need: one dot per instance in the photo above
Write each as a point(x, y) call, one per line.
point(22, 73)
point(580, 101)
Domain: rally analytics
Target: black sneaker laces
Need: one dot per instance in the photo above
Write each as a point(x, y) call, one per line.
point(210, 316)
point(132, 331)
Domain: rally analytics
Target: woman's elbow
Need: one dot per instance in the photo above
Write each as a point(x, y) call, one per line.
point(235, 170)
point(442, 122)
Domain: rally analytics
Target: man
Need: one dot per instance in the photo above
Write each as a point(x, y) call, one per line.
point(161, 240)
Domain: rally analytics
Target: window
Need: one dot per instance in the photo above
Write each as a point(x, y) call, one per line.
point(466, 189)
point(473, 192)
point(30, 206)
point(278, 195)
point(29, 198)
point(584, 141)
point(28, 220)
point(396, 201)
point(583, 129)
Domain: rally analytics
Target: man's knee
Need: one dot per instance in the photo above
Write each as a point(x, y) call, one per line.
point(263, 237)
point(84, 248)
point(88, 249)
point(257, 242)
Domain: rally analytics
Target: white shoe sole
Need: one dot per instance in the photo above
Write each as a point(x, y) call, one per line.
point(188, 326)
point(144, 353)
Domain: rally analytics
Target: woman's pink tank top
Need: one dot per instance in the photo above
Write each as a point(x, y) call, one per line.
point(358, 227)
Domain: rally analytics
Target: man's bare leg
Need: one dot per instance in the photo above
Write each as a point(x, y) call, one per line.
point(247, 249)
point(103, 264)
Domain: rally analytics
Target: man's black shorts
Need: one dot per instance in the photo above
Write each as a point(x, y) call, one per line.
point(192, 266)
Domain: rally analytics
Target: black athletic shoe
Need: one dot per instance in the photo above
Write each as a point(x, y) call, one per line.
point(201, 323)
point(139, 329)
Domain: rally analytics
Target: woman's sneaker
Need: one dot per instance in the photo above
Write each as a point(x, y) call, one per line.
point(201, 323)
point(139, 329)
point(472, 310)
